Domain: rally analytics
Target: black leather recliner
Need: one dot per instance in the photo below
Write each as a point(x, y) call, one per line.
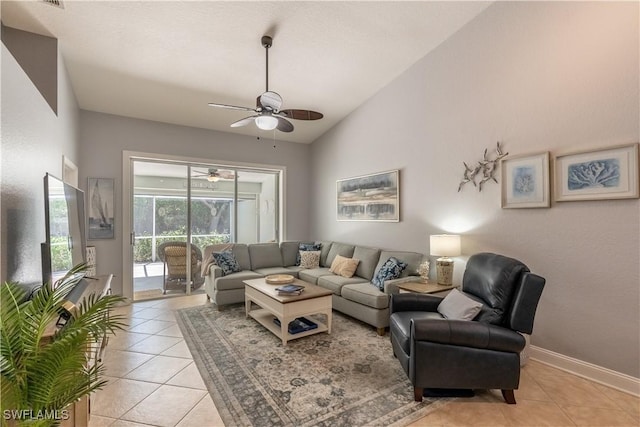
point(458, 354)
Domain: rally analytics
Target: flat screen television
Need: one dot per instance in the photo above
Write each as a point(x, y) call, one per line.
point(65, 245)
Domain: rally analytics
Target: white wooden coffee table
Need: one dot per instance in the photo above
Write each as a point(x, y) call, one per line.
point(313, 300)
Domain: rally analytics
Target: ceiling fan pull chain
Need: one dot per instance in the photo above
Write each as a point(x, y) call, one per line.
point(267, 46)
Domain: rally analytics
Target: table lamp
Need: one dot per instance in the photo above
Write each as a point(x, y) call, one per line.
point(444, 246)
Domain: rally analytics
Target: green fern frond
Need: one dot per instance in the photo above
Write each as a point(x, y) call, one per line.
point(50, 373)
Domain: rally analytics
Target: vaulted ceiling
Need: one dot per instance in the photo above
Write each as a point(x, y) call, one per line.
point(165, 60)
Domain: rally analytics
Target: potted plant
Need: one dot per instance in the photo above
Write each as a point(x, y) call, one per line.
point(43, 373)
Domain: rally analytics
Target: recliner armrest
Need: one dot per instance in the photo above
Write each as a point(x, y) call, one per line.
point(412, 301)
point(467, 334)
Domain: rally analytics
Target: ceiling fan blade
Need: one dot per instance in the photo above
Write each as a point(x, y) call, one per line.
point(301, 114)
point(284, 125)
point(271, 100)
point(243, 122)
point(226, 174)
point(230, 107)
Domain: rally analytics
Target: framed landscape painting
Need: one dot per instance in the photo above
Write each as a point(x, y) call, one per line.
point(609, 173)
point(374, 197)
point(101, 208)
point(525, 181)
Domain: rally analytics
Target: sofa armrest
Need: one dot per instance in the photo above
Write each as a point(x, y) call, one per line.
point(214, 271)
point(391, 286)
point(467, 334)
point(412, 301)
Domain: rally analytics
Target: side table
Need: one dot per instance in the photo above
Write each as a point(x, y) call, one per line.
point(424, 287)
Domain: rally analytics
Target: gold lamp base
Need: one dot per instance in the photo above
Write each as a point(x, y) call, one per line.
point(444, 271)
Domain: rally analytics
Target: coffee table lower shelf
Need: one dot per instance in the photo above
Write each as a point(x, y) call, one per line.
point(265, 318)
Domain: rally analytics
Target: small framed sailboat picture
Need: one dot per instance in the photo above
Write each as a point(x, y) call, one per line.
point(101, 208)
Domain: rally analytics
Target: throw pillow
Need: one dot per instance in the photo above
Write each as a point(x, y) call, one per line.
point(349, 267)
point(343, 266)
point(307, 247)
point(309, 259)
point(458, 306)
point(227, 262)
point(391, 269)
point(337, 264)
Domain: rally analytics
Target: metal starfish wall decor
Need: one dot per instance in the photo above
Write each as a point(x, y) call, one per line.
point(485, 169)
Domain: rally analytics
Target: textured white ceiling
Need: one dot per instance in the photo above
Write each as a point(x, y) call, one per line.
point(165, 60)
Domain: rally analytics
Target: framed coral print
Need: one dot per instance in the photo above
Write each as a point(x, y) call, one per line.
point(374, 197)
point(605, 174)
point(101, 208)
point(525, 181)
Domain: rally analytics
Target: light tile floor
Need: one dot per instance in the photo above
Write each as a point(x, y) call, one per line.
point(154, 382)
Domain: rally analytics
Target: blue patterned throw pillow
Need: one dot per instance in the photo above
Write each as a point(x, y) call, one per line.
point(391, 269)
point(307, 247)
point(227, 262)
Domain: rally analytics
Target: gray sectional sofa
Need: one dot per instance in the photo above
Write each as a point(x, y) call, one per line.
point(354, 296)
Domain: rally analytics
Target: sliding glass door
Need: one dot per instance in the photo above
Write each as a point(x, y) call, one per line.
point(179, 206)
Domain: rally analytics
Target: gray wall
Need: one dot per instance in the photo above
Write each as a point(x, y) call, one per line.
point(536, 76)
point(104, 137)
point(34, 139)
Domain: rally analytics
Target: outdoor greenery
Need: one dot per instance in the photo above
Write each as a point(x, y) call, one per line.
point(60, 254)
point(142, 249)
point(42, 375)
point(210, 223)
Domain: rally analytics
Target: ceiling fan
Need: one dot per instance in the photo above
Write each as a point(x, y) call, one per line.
point(268, 114)
point(214, 175)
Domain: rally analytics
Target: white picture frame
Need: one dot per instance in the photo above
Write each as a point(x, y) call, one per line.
point(525, 181)
point(101, 209)
point(601, 174)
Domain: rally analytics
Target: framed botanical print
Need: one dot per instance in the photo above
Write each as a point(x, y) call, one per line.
point(608, 173)
point(525, 181)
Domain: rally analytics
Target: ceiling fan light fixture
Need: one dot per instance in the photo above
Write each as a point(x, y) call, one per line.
point(213, 178)
point(266, 122)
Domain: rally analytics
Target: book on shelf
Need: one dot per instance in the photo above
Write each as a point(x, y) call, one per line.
point(301, 324)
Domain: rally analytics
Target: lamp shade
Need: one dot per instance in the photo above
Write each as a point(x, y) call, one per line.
point(444, 245)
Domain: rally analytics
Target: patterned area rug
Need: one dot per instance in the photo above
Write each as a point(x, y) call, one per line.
point(349, 378)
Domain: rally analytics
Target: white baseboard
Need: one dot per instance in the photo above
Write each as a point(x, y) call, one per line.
point(589, 371)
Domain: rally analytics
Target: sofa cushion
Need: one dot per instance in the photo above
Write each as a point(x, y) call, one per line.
point(241, 252)
point(235, 280)
point(336, 283)
point(413, 260)
point(276, 270)
point(312, 276)
point(265, 255)
point(227, 262)
point(310, 259)
point(302, 247)
point(324, 251)
point(338, 249)
point(365, 294)
point(369, 258)
point(289, 251)
point(391, 269)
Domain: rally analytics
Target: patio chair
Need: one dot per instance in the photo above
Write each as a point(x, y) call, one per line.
point(174, 272)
